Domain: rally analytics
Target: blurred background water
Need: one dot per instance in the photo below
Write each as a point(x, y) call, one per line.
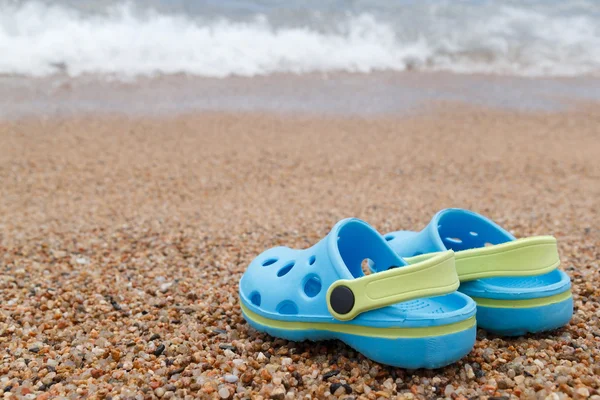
point(212, 38)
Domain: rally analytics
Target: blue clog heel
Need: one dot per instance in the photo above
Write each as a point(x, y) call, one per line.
point(515, 282)
point(408, 316)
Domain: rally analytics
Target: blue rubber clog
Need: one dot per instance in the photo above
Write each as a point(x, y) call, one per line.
point(408, 316)
point(515, 282)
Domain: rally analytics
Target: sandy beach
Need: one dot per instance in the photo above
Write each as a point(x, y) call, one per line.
point(122, 241)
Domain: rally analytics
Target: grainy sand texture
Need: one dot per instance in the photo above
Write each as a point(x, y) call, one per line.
point(122, 241)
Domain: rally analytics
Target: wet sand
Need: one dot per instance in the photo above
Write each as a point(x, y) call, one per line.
point(339, 94)
point(122, 240)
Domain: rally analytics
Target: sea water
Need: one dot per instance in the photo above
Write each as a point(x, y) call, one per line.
point(223, 38)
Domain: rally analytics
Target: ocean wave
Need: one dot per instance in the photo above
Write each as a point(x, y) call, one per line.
point(38, 39)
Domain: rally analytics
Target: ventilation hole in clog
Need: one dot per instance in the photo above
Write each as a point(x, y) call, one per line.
point(454, 240)
point(312, 286)
point(367, 264)
point(473, 233)
point(488, 244)
point(312, 260)
point(269, 262)
point(255, 298)
point(286, 269)
point(389, 237)
point(287, 307)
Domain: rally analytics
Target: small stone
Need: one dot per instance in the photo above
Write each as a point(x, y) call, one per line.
point(118, 374)
point(247, 377)
point(97, 373)
point(59, 253)
point(266, 375)
point(159, 350)
point(224, 393)
point(488, 355)
point(159, 392)
point(228, 353)
point(329, 374)
point(469, 371)
point(261, 357)
point(388, 384)
point(115, 354)
point(448, 390)
point(337, 389)
point(278, 393)
point(285, 361)
point(582, 392)
point(505, 383)
point(154, 385)
point(165, 286)
point(170, 388)
point(197, 357)
point(230, 378)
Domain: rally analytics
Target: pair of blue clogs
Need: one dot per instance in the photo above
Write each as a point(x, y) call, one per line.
point(408, 312)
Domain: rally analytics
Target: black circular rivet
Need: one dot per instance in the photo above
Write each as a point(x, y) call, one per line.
point(341, 300)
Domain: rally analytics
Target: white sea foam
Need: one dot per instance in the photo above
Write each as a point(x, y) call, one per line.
point(39, 39)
